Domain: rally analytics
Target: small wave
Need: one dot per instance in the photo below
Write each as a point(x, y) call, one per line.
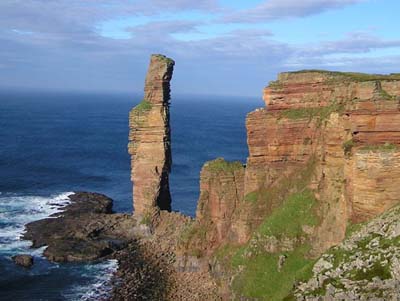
point(16, 211)
point(99, 288)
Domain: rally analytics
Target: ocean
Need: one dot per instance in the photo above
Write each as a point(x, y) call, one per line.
point(52, 144)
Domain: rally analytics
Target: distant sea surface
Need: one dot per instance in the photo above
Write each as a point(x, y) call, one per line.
point(52, 144)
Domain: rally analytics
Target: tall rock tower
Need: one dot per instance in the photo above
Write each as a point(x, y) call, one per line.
point(150, 139)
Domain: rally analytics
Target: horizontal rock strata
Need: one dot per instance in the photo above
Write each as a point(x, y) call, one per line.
point(335, 134)
point(150, 140)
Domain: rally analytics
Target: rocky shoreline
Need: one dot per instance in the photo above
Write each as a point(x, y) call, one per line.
point(85, 230)
point(153, 262)
point(88, 230)
point(260, 227)
point(149, 266)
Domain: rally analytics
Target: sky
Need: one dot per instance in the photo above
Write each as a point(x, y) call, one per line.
point(221, 47)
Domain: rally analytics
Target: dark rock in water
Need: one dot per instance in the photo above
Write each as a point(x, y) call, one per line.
point(86, 230)
point(87, 202)
point(23, 260)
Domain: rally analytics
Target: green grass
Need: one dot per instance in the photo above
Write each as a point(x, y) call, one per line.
point(287, 220)
point(265, 200)
point(387, 147)
point(286, 207)
point(251, 197)
point(348, 146)
point(386, 95)
point(354, 76)
point(143, 106)
point(225, 254)
point(352, 228)
point(220, 164)
point(339, 255)
point(321, 113)
point(377, 270)
point(275, 84)
point(164, 58)
point(261, 279)
point(301, 113)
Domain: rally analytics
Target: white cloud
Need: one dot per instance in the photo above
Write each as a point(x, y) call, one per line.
point(280, 9)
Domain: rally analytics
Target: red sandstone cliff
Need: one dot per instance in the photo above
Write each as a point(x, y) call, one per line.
point(323, 154)
point(336, 134)
point(150, 139)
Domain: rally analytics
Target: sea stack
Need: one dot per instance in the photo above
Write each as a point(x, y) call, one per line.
point(150, 140)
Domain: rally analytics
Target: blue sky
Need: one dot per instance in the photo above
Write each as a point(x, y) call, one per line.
point(220, 47)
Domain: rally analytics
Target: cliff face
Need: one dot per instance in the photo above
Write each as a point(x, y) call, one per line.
point(150, 139)
point(349, 124)
point(324, 153)
point(355, 139)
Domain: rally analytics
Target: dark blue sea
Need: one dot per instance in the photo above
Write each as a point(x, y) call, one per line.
point(52, 144)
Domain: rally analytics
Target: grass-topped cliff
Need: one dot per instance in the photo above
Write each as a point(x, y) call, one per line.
point(323, 156)
point(324, 160)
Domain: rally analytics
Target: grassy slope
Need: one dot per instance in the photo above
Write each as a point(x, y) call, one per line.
point(260, 278)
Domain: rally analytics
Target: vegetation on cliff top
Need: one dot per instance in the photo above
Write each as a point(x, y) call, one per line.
point(336, 76)
point(164, 58)
point(220, 164)
point(354, 76)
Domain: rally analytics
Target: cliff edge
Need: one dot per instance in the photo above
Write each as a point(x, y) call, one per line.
point(323, 155)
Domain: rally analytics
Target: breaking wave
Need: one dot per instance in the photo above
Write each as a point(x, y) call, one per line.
point(18, 210)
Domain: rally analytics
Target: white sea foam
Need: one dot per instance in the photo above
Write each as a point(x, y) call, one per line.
point(97, 289)
point(16, 211)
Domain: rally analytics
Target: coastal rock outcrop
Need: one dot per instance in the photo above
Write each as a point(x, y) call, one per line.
point(85, 230)
point(150, 140)
point(345, 125)
point(350, 124)
point(323, 154)
point(23, 260)
point(365, 266)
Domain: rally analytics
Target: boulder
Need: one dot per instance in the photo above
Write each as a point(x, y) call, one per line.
point(23, 260)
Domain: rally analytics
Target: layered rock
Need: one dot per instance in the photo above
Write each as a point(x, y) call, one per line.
point(221, 194)
point(323, 153)
point(150, 140)
point(343, 121)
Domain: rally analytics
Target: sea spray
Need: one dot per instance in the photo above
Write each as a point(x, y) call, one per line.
point(18, 210)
